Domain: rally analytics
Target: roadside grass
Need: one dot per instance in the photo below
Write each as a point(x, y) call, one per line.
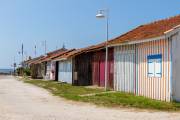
point(64, 90)
point(116, 99)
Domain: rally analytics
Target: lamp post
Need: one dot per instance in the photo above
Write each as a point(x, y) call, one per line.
point(104, 14)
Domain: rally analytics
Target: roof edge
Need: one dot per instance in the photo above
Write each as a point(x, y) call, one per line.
point(138, 41)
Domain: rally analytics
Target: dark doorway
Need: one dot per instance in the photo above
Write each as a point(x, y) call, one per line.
point(57, 71)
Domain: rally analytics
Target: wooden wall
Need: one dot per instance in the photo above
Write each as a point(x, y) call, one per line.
point(82, 69)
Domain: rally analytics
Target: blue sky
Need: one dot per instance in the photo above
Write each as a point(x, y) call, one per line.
point(71, 22)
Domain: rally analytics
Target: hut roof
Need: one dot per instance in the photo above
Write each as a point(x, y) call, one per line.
point(147, 31)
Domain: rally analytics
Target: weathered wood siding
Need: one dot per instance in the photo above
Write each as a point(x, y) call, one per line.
point(37, 70)
point(82, 69)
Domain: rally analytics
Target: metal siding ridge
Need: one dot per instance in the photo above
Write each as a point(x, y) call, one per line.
point(136, 73)
point(164, 52)
point(171, 78)
point(169, 68)
point(115, 68)
point(166, 73)
point(156, 79)
point(161, 81)
point(145, 75)
point(150, 79)
point(153, 82)
point(140, 82)
point(165, 69)
point(164, 81)
point(139, 69)
point(143, 78)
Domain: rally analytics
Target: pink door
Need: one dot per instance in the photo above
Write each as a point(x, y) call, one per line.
point(102, 73)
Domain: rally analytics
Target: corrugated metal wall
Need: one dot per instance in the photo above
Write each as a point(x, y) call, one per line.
point(153, 87)
point(175, 67)
point(65, 71)
point(124, 68)
point(98, 68)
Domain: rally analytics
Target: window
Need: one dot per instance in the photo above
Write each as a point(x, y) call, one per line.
point(155, 65)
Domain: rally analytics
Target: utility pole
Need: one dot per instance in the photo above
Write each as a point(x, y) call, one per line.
point(22, 52)
point(14, 65)
point(44, 44)
point(35, 53)
point(64, 47)
point(45, 47)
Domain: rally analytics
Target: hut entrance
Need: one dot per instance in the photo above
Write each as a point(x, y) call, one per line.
point(99, 68)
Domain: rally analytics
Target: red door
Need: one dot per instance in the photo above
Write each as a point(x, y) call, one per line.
point(102, 72)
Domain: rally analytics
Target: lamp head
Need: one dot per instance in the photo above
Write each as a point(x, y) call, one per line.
point(100, 14)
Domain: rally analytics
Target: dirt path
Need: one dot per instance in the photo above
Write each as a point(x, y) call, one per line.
point(20, 101)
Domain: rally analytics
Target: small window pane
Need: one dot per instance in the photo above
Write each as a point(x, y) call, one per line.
point(151, 69)
point(158, 71)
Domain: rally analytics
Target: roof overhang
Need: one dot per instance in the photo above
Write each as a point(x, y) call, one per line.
point(172, 31)
point(138, 41)
point(61, 59)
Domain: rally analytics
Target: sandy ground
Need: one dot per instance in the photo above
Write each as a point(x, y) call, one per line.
point(20, 101)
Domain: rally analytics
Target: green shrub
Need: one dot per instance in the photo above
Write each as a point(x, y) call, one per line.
point(27, 71)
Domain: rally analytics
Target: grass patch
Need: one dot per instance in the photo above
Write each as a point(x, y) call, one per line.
point(64, 90)
point(116, 99)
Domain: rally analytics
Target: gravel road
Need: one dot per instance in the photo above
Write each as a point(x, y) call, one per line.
point(21, 101)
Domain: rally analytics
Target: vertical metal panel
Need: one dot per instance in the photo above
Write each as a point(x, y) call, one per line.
point(153, 87)
point(124, 70)
point(65, 71)
point(175, 65)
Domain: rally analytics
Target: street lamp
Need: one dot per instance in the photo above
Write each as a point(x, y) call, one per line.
point(104, 14)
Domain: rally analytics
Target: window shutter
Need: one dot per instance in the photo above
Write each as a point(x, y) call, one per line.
point(158, 71)
point(150, 68)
